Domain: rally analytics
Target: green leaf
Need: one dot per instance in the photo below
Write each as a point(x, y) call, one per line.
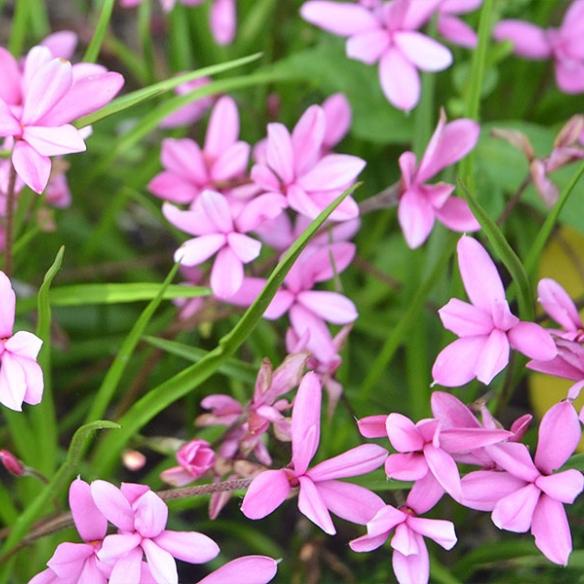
point(576, 461)
point(114, 375)
point(231, 367)
point(159, 398)
point(142, 95)
point(505, 253)
point(94, 47)
point(42, 503)
point(43, 417)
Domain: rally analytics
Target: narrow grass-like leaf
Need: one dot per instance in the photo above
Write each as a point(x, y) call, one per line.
point(43, 417)
point(142, 95)
point(18, 28)
point(504, 252)
point(58, 483)
point(547, 228)
point(232, 367)
point(159, 398)
point(94, 47)
point(114, 375)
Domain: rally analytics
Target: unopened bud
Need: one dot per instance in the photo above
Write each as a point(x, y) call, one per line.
point(11, 463)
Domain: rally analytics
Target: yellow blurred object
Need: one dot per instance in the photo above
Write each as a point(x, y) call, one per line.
point(558, 262)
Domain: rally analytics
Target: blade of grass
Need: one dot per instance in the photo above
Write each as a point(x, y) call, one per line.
point(43, 417)
point(19, 27)
point(159, 398)
point(145, 34)
point(94, 47)
point(114, 375)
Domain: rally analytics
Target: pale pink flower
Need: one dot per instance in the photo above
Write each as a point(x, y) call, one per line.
point(21, 377)
point(529, 495)
point(244, 570)
point(38, 104)
point(195, 458)
point(189, 114)
point(141, 516)
point(420, 204)
point(387, 35)
point(410, 560)
point(320, 493)
point(309, 310)
point(293, 165)
point(561, 308)
point(220, 228)
point(451, 27)
point(565, 45)
point(78, 562)
point(486, 328)
point(189, 170)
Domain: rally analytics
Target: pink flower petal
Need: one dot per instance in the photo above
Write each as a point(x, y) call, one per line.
point(260, 210)
point(330, 306)
point(12, 382)
point(563, 486)
point(188, 546)
point(570, 76)
point(266, 493)
point(551, 530)
point(414, 568)
point(348, 501)
point(68, 559)
point(558, 304)
point(456, 215)
point(118, 545)
point(372, 426)
point(10, 90)
point(62, 44)
point(311, 505)
point(533, 341)
point(356, 461)
point(464, 319)
point(110, 501)
point(150, 515)
point(461, 440)
point(195, 251)
point(457, 31)
point(406, 467)
point(416, 218)
point(88, 519)
point(483, 489)
point(444, 469)
point(528, 40)
point(515, 459)
point(423, 51)
point(223, 128)
point(319, 339)
point(9, 125)
point(216, 207)
point(31, 167)
point(418, 13)
point(170, 187)
point(369, 46)
point(127, 568)
point(307, 139)
point(334, 171)
point(440, 531)
point(194, 222)
point(161, 564)
point(405, 540)
point(425, 494)
point(515, 511)
point(280, 153)
point(232, 162)
point(403, 434)
point(340, 19)
point(337, 112)
point(54, 141)
point(223, 21)
point(399, 79)
point(7, 306)
point(185, 159)
point(245, 248)
point(244, 570)
point(455, 364)
point(226, 274)
point(493, 358)
point(451, 412)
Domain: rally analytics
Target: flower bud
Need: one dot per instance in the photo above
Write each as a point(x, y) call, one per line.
point(11, 463)
point(196, 457)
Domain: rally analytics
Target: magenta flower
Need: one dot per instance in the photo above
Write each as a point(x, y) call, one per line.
point(387, 35)
point(295, 167)
point(141, 515)
point(451, 27)
point(410, 560)
point(320, 493)
point(244, 570)
point(78, 562)
point(218, 166)
point(195, 458)
point(529, 495)
point(220, 228)
point(37, 106)
point(309, 310)
point(420, 204)
point(561, 308)
point(565, 45)
point(21, 378)
point(486, 328)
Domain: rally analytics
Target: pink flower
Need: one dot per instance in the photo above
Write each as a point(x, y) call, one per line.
point(244, 570)
point(529, 495)
point(219, 228)
point(309, 309)
point(420, 204)
point(410, 560)
point(21, 378)
point(561, 308)
point(37, 106)
point(426, 450)
point(486, 327)
point(141, 516)
point(295, 167)
point(192, 112)
point(565, 45)
point(189, 170)
point(453, 28)
point(319, 490)
point(387, 35)
point(338, 117)
point(195, 458)
point(79, 562)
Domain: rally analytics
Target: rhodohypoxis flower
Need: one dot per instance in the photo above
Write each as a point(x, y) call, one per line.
point(295, 166)
point(195, 458)
point(387, 35)
point(487, 328)
point(565, 45)
point(420, 204)
point(529, 495)
point(410, 560)
point(264, 409)
point(37, 106)
point(189, 170)
point(78, 562)
point(451, 27)
point(220, 228)
point(21, 378)
point(309, 310)
point(320, 493)
point(141, 516)
point(559, 306)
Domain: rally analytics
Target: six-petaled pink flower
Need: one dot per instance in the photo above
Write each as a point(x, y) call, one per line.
point(387, 35)
point(420, 204)
point(565, 45)
point(320, 491)
point(486, 327)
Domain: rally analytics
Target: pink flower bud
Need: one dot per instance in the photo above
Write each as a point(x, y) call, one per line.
point(11, 463)
point(196, 457)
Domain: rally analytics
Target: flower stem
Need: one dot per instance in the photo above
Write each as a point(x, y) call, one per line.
point(9, 224)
